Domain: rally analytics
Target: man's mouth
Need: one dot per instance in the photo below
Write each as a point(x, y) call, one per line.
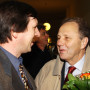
point(62, 50)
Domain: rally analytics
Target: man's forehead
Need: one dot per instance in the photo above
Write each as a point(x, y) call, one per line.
point(70, 23)
point(69, 26)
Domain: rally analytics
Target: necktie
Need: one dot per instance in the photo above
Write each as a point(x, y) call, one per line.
point(71, 69)
point(24, 78)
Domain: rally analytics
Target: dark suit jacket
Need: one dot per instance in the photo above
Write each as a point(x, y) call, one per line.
point(9, 79)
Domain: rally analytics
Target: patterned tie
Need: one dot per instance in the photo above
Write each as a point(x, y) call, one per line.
point(24, 78)
point(71, 69)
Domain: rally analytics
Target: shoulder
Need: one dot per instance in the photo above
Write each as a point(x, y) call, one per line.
point(86, 66)
point(45, 74)
point(46, 70)
point(49, 65)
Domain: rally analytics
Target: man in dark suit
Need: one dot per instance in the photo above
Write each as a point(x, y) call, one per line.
point(18, 26)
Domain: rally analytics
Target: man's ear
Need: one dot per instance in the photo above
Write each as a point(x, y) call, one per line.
point(14, 34)
point(84, 42)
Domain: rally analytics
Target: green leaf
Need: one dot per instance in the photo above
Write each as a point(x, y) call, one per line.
point(65, 86)
point(81, 84)
point(88, 84)
point(71, 77)
point(70, 85)
point(75, 83)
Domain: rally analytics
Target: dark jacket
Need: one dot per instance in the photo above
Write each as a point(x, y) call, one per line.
point(9, 79)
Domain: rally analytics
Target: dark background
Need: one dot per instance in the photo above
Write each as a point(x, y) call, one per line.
point(54, 11)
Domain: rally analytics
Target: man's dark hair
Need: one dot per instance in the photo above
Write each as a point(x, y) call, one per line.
point(14, 16)
point(83, 27)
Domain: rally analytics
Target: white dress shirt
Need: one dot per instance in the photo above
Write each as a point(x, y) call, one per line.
point(78, 65)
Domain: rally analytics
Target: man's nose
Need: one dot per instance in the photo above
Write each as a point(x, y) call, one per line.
point(60, 42)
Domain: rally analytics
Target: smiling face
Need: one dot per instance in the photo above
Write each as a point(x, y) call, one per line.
point(69, 44)
point(26, 37)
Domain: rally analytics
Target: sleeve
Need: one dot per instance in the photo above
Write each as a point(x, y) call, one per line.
point(44, 76)
point(39, 78)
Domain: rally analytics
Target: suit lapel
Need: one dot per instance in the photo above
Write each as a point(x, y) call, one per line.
point(5, 63)
point(10, 71)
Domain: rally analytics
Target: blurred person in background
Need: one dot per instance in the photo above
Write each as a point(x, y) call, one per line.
point(40, 53)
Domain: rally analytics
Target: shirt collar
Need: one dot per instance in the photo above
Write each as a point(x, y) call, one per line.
point(14, 60)
point(78, 65)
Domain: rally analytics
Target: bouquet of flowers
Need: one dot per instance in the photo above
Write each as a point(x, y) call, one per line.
point(81, 82)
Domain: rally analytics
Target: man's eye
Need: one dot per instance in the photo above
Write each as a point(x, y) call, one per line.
point(58, 38)
point(67, 38)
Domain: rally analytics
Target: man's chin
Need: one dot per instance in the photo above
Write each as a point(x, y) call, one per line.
point(62, 56)
point(29, 50)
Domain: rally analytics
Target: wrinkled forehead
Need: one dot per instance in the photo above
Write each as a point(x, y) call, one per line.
point(69, 26)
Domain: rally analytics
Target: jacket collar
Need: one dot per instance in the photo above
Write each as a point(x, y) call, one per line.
point(58, 67)
point(86, 66)
point(6, 63)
